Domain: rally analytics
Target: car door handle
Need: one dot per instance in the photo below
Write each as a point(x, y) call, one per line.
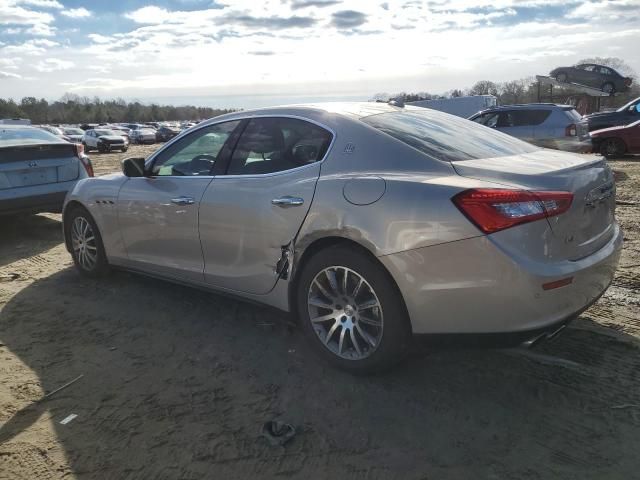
point(287, 201)
point(183, 201)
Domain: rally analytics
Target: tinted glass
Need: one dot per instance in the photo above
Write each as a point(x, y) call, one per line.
point(16, 136)
point(527, 118)
point(573, 114)
point(196, 153)
point(488, 119)
point(270, 145)
point(73, 131)
point(101, 133)
point(445, 137)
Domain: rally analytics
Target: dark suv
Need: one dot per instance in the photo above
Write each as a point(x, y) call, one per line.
point(544, 124)
point(623, 116)
point(592, 75)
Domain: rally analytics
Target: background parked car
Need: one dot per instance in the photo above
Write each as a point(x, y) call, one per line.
point(616, 141)
point(57, 131)
point(592, 75)
point(166, 132)
point(37, 169)
point(143, 136)
point(74, 134)
point(104, 140)
point(544, 124)
point(622, 116)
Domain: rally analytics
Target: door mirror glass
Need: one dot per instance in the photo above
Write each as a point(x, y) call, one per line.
point(133, 167)
point(636, 108)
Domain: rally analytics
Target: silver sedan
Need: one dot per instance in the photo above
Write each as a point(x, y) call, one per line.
point(370, 223)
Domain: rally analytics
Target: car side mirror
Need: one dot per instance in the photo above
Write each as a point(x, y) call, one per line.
point(133, 167)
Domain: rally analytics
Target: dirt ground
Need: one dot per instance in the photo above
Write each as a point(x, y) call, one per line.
point(177, 383)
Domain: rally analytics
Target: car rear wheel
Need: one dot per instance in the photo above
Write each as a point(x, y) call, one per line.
point(351, 311)
point(86, 244)
point(612, 147)
point(562, 77)
point(609, 88)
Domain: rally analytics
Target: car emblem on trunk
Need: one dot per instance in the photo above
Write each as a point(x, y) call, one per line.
point(600, 194)
point(33, 163)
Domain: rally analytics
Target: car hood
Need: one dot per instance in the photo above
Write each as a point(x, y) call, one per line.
point(111, 137)
point(602, 115)
point(606, 131)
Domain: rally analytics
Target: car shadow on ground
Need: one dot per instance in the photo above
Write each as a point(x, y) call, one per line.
point(177, 383)
point(27, 235)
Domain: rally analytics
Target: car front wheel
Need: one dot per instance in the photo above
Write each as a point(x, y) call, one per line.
point(612, 147)
point(84, 238)
point(351, 311)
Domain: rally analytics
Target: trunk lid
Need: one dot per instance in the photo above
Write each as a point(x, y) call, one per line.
point(588, 224)
point(37, 164)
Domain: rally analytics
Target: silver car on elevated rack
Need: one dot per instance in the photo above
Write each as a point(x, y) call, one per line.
point(368, 222)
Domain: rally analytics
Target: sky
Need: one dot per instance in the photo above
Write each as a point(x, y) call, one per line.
point(248, 53)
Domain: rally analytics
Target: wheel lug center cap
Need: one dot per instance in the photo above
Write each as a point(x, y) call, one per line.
point(349, 310)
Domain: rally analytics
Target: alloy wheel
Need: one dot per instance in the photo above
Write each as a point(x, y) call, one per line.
point(345, 313)
point(83, 243)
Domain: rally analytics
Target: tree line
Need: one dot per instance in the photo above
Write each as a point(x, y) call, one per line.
point(75, 109)
point(525, 90)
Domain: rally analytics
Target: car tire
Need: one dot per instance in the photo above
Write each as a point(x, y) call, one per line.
point(124, 149)
point(562, 77)
point(84, 240)
point(612, 148)
point(86, 147)
point(346, 338)
point(609, 88)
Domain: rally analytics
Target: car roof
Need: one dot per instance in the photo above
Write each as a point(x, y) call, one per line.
point(18, 127)
point(317, 111)
point(525, 106)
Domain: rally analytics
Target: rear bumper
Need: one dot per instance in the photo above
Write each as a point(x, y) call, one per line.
point(473, 287)
point(45, 202)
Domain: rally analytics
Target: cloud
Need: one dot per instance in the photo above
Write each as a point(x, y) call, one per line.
point(298, 4)
point(76, 13)
point(262, 53)
point(9, 75)
point(40, 3)
point(278, 23)
point(101, 39)
point(348, 19)
point(53, 65)
point(149, 15)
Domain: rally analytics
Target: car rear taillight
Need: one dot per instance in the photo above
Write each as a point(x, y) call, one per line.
point(627, 81)
point(492, 210)
point(571, 130)
point(86, 161)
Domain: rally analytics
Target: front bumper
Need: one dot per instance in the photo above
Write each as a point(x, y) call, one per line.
point(472, 287)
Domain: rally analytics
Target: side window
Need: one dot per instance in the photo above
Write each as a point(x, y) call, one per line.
point(196, 153)
point(275, 144)
point(605, 71)
point(487, 119)
point(506, 120)
point(588, 68)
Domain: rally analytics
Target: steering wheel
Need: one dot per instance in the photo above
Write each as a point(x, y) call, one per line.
point(202, 164)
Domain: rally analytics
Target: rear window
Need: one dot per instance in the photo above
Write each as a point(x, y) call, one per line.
point(573, 114)
point(446, 137)
point(18, 136)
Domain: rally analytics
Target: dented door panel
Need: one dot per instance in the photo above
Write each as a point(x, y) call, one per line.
point(247, 222)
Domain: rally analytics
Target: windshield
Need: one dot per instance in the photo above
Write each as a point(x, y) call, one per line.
point(447, 137)
point(13, 136)
point(73, 131)
point(101, 132)
point(631, 103)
